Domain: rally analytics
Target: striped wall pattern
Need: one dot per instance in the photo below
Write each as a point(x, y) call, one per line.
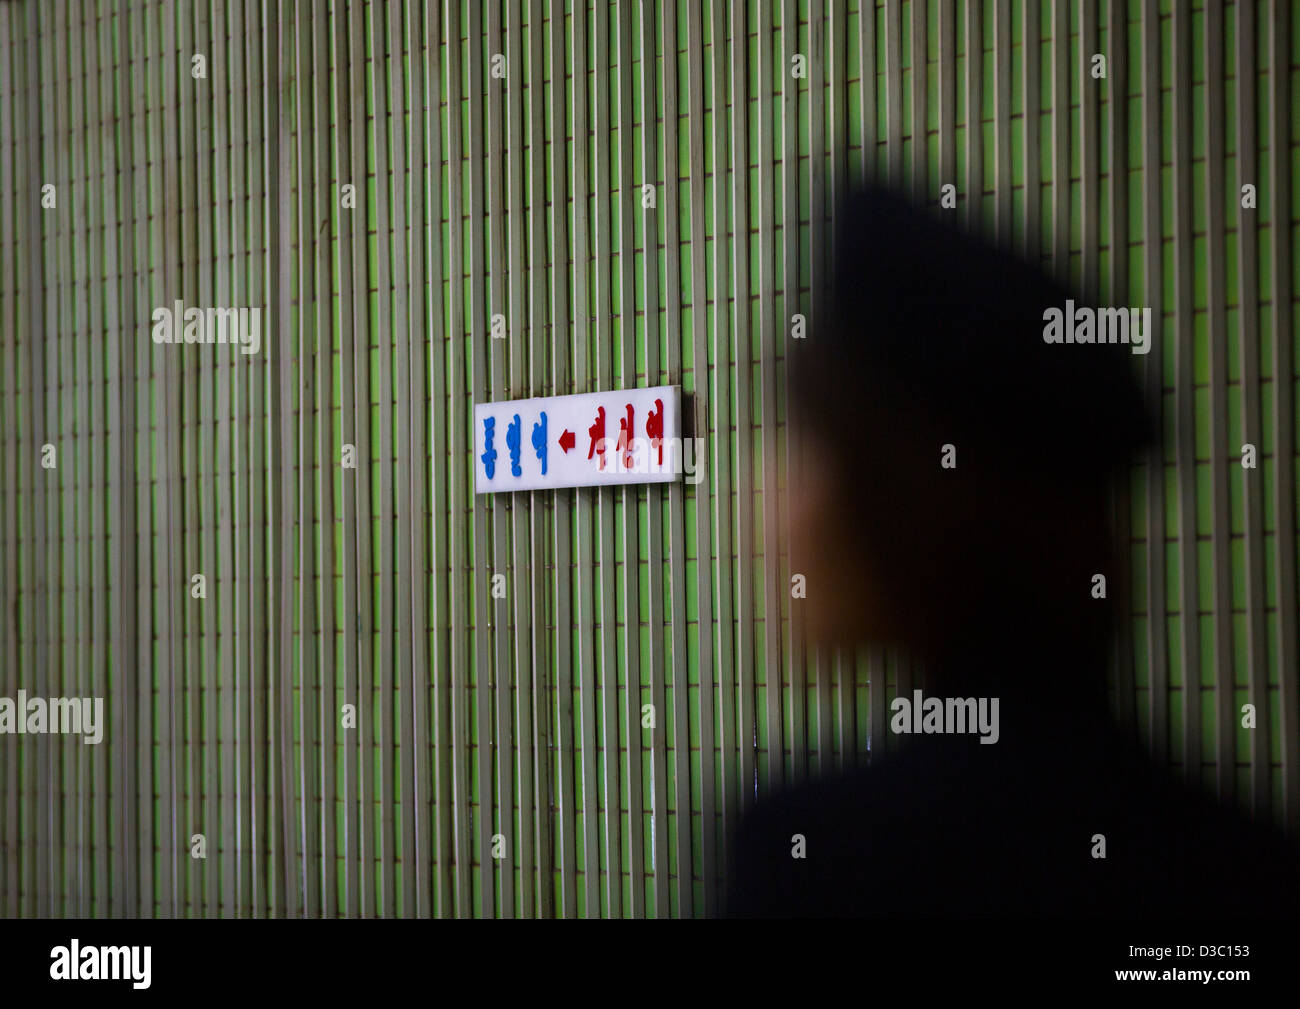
point(499, 153)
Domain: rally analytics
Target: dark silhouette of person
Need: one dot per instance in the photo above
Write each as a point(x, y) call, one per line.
point(931, 349)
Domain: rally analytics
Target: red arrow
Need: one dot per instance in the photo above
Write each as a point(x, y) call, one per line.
point(566, 440)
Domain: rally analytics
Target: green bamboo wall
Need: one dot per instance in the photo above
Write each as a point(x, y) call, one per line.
point(521, 195)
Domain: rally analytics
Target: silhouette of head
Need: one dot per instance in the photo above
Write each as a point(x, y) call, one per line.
point(929, 351)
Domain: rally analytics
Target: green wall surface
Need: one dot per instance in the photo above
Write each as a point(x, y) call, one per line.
point(501, 154)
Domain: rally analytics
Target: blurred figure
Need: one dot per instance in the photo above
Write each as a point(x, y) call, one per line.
point(954, 503)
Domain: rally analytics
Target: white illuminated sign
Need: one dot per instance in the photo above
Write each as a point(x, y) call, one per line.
point(591, 439)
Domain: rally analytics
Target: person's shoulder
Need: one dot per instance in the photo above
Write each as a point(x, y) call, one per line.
point(906, 788)
point(1210, 857)
point(942, 830)
point(786, 841)
point(830, 845)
